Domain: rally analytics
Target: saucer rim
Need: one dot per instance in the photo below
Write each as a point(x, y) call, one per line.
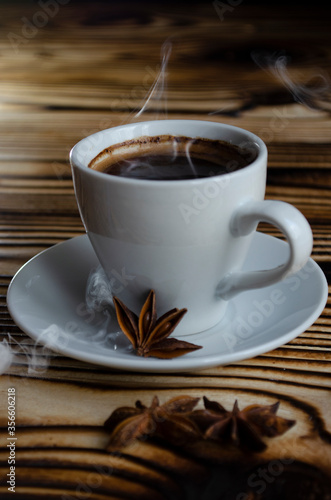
point(138, 364)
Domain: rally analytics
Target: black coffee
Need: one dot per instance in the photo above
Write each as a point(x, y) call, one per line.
point(172, 158)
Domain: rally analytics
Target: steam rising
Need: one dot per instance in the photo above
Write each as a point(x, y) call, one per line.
point(156, 100)
point(99, 301)
point(95, 324)
point(158, 89)
point(98, 291)
point(6, 356)
point(311, 94)
point(34, 355)
point(189, 159)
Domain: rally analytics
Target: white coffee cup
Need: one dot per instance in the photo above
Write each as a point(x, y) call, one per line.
point(186, 239)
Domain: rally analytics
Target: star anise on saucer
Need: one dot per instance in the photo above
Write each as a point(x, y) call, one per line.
point(242, 428)
point(149, 335)
point(168, 421)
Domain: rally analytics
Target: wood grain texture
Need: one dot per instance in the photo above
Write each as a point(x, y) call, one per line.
point(89, 66)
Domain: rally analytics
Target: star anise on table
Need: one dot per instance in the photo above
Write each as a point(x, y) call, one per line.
point(168, 421)
point(149, 335)
point(242, 428)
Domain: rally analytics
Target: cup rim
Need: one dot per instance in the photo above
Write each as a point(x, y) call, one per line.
point(77, 162)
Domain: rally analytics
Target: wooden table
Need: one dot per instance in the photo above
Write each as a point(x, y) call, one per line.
point(69, 69)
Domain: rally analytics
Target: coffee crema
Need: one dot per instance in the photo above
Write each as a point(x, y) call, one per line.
point(167, 157)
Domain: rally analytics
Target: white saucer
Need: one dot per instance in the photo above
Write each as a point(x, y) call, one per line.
point(46, 299)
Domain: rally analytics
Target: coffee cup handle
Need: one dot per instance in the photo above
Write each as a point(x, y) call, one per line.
point(295, 228)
